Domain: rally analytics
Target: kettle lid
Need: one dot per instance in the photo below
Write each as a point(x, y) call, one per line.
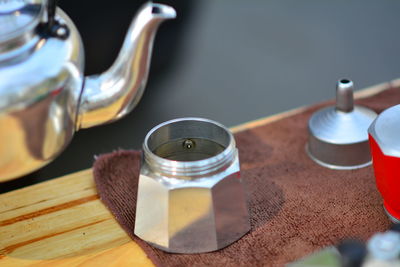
point(18, 17)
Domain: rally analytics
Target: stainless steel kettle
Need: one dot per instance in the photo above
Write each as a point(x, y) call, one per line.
point(44, 97)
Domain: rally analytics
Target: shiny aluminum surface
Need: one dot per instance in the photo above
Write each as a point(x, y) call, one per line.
point(39, 98)
point(197, 203)
point(385, 246)
point(386, 131)
point(338, 136)
point(43, 100)
point(114, 93)
point(18, 17)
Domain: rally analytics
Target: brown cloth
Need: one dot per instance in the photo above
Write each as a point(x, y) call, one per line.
point(296, 206)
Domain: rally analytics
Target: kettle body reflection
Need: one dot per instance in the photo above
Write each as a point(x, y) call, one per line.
point(44, 97)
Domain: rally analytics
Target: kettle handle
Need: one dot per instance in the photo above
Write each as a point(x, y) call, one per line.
point(51, 13)
point(53, 28)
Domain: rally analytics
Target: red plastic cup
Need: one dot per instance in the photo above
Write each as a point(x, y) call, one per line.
point(384, 139)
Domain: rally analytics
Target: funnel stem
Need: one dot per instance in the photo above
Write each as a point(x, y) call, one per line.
point(344, 95)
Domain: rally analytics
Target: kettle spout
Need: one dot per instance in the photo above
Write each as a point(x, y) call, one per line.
point(114, 93)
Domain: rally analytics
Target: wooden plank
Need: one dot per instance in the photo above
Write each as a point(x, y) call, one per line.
point(62, 222)
point(358, 94)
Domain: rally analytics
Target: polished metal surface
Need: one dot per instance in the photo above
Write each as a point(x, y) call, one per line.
point(338, 137)
point(42, 98)
point(385, 246)
point(39, 96)
point(18, 18)
point(344, 96)
point(190, 196)
point(114, 93)
point(386, 131)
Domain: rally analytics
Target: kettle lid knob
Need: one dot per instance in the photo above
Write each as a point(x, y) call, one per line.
point(338, 135)
point(17, 17)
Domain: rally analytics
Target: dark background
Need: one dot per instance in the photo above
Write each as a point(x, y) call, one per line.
point(231, 61)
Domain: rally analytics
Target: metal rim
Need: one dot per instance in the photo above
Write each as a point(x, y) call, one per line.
point(391, 217)
point(335, 167)
point(190, 169)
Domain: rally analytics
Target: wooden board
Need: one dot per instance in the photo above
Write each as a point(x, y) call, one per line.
point(63, 222)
